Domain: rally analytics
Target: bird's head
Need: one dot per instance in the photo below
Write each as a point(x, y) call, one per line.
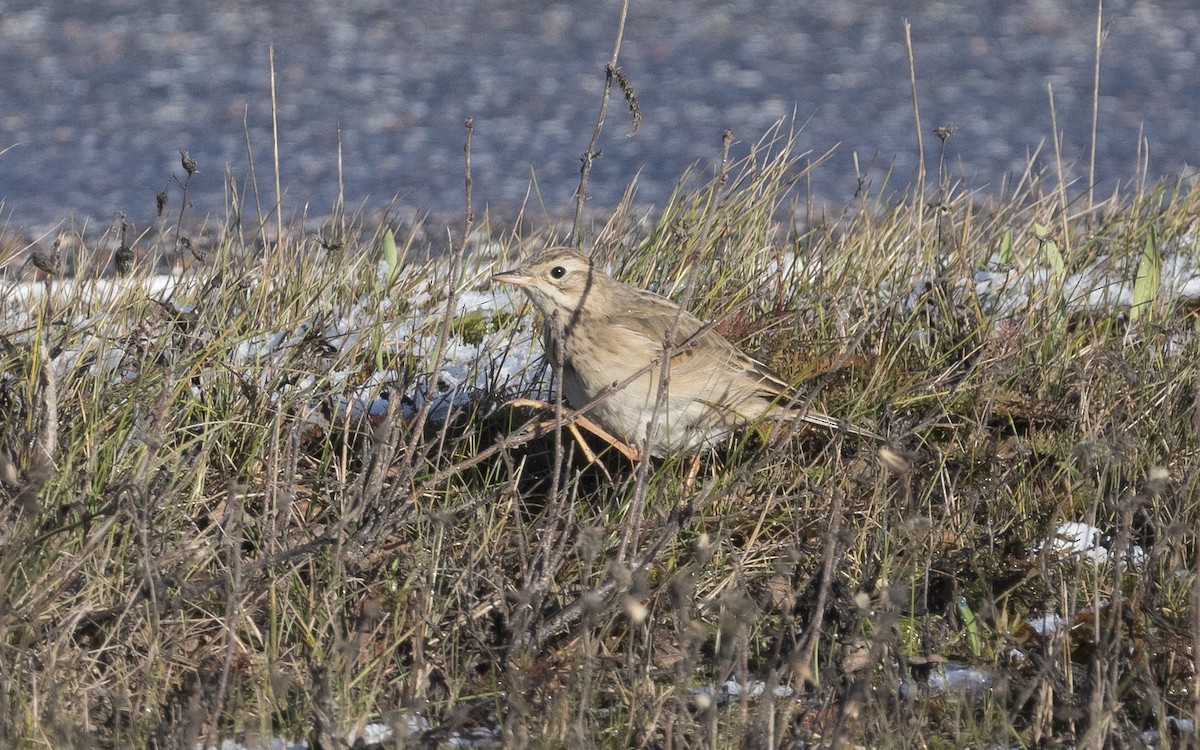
point(556, 280)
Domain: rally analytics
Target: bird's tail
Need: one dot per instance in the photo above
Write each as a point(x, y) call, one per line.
point(820, 419)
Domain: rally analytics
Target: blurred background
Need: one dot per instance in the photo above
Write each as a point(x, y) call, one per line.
point(98, 97)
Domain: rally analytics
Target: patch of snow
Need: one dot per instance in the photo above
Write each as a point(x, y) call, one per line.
point(1047, 624)
point(953, 678)
point(1081, 541)
point(1177, 728)
point(732, 690)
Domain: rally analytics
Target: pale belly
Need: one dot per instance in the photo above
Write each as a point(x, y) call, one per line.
point(682, 425)
point(687, 418)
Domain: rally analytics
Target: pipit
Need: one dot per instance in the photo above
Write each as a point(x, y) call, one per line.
point(614, 338)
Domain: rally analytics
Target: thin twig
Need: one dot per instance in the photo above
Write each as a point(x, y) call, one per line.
point(726, 142)
point(670, 349)
point(275, 145)
point(912, 77)
point(808, 651)
point(591, 154)
point(262, 220)
point(1095, 104)
point(183, 202)
point(1061, 171)
point(232, 531)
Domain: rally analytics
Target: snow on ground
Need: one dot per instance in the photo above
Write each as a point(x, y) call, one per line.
point(503, 355)
point(97, 312)
point(1074, 540)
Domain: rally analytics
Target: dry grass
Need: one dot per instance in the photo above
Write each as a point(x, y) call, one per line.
point(201, 540)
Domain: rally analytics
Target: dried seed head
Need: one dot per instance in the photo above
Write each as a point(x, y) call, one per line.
point(48, 261)
point(124, 259)
point(189, 164)
point(944, 132)
point(897, 462)
point(198, 252)
point(10, 474)
point(160, 201)
point(635, 610)
point(635, 108)
point(1158, 481)
point(862, 600)
point(330, 244)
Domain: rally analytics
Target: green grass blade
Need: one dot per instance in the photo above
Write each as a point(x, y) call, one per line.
point(1149, 277)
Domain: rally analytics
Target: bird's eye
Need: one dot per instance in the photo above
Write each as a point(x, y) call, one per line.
point(558, 272)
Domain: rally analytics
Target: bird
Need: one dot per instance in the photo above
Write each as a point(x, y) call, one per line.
point(614, 337)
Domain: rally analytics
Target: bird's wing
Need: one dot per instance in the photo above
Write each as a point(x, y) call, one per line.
point(647, 316)
point(695, 345)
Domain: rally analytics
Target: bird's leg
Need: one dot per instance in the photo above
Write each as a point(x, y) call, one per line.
point(573, 421)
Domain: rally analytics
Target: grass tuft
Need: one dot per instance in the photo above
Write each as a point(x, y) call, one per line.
point(275, 490)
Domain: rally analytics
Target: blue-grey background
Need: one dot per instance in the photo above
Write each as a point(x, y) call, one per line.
point(97, 97)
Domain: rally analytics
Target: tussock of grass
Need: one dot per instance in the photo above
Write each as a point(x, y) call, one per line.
point(222, 517)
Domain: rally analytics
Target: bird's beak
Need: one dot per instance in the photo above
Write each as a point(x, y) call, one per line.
point(514, 277)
